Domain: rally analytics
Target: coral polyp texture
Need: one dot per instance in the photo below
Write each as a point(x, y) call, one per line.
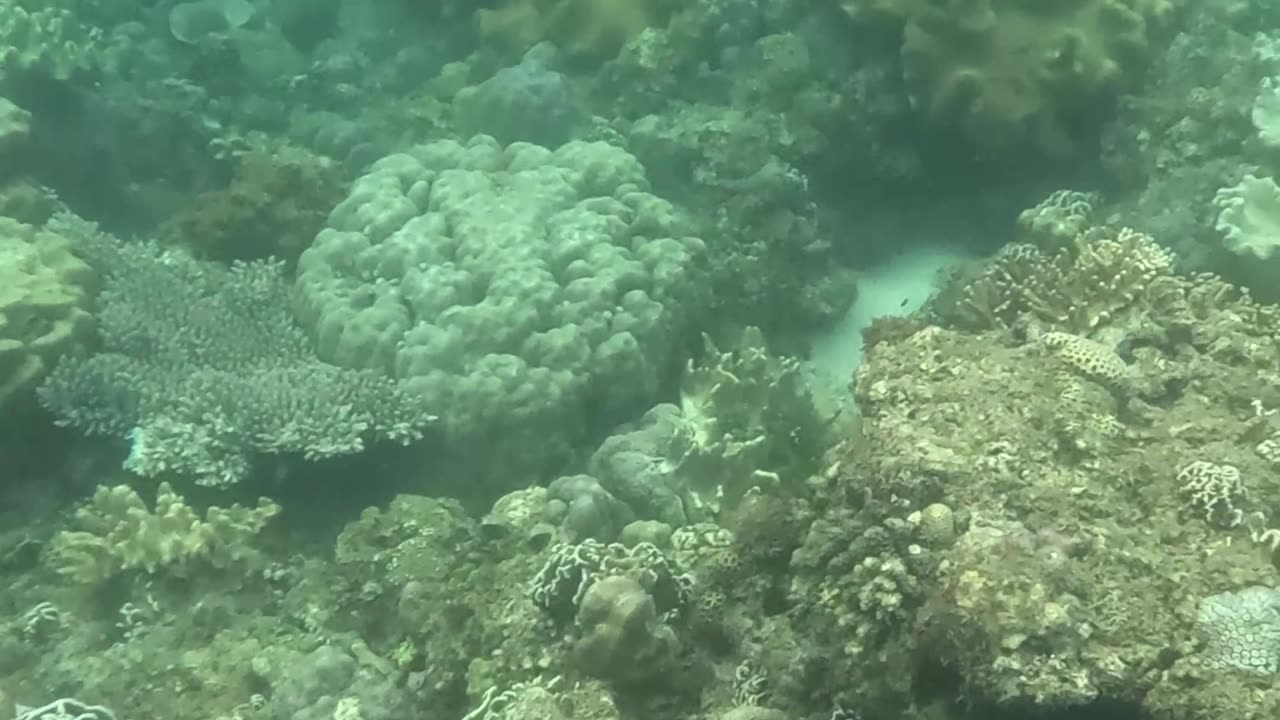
point(505, 287)
point(1008, 74)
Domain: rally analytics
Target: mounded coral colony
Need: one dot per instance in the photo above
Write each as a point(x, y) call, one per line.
point(1010, 74)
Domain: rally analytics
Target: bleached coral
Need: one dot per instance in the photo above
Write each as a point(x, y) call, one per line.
point(1217, 491)
point(571, 569)
point(751, 420)
point(64, 709)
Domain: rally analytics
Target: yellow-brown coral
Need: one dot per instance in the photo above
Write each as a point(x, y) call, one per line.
point(44, 296)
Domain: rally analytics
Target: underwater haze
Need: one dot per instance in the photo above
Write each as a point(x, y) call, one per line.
point(639, 360)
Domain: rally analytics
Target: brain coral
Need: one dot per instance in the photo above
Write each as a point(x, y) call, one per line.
point(512, 287)
point(1012, 74)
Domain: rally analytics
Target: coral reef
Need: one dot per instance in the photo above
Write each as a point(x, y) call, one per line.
point(1057, 497)
point(1006, 76)
point(1065, 569)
